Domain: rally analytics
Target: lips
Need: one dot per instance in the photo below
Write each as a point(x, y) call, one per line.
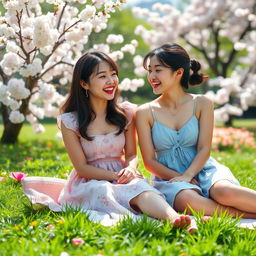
point(155, 84)
point(109, 90)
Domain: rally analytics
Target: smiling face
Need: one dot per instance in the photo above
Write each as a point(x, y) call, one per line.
point(160, 77)
point(103, 82)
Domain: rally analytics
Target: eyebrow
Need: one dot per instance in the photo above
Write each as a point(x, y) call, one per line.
point(101, 72)
point(157, 65)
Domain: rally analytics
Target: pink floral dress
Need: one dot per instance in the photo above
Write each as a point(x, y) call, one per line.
point(106, 201)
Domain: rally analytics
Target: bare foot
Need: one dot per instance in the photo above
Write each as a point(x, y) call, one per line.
point(206, 218)
point(193, 227)
point(181, 221)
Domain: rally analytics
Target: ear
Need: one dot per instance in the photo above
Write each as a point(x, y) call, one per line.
point(180, 71)
point(84, 84)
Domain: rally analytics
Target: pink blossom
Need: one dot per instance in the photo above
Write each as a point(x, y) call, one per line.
point(77, 241)
point(2, 178)
point(50, 226)
point(18, 175)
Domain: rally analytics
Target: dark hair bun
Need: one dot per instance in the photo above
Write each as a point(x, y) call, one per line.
point(195, 77)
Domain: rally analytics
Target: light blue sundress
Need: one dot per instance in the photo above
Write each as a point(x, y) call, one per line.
point(176, 149)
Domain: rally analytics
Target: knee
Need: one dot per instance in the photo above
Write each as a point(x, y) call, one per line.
point(221, 194)
point(142, 197)
point(184, 199)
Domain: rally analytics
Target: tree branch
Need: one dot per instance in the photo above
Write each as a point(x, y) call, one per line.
point(51, 67)
point(57, 44)
point(61, 15)
point(204, 52)
point(64, 31)
point(217, 46)
point(232, 54)
point(19, 16)
point(3, 75)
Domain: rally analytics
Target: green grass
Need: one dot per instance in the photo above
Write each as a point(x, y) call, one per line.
point(248, 123)
point(23, 231)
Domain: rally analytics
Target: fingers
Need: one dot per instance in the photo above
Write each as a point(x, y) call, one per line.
point(127, 175)
point(121, 172)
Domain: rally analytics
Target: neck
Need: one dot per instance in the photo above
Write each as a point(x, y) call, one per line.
point(173, 98)
point(99, 106)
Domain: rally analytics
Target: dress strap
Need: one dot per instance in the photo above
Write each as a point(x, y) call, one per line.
point(194, 110)
point(153, 112)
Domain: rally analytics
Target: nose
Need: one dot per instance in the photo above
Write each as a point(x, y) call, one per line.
point(110, 79)
point(152, 75)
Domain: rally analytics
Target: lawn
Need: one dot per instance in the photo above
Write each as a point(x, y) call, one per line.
point(24, 231)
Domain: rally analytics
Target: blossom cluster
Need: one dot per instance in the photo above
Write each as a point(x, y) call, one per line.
point(41, 49)
point(232, 138)
point(232, 22)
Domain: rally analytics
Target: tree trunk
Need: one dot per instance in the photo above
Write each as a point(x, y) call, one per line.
point(11, 133)
point(229, 122)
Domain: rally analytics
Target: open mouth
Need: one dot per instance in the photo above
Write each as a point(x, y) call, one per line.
point(109, 90)
point(155, 85)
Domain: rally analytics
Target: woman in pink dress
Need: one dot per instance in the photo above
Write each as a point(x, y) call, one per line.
point(99, 136)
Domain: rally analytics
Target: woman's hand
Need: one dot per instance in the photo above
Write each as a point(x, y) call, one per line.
point(185, 178)
point(127, 174)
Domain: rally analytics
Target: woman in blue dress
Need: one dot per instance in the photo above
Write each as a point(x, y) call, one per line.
point(175, 133)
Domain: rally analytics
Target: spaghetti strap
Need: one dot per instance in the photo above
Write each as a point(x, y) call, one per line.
point(194, 110)
point(153, 112)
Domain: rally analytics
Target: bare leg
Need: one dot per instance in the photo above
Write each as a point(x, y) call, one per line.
point(190, 198)
point(155, 206)
point(226, 193)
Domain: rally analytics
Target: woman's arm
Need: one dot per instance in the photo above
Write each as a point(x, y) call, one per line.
point(78, 158)
point(206, 123)
point(131, 160)
point(144, 122)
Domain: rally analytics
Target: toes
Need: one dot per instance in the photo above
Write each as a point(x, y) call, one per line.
point(182, 221)
point(206, 218)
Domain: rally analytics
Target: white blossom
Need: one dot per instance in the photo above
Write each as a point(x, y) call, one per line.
point(32, 69)
point(10, 63)
point(16, 117)
point(87, 13)
point(114, 39)
point(17, 89)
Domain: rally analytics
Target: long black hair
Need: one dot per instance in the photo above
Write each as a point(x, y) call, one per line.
point(174, 57)
point(78, 100)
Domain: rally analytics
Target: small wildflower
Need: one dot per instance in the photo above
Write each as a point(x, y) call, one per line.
point(33, 223)
point(64, 254)
point(68, 234)
point(50, 226)
point(61, 221)
point(2, 178)
point(16, 227)
point(29, 158)
point(3, 173)
point(49, 144)
point(77, 241)
point(18, 175)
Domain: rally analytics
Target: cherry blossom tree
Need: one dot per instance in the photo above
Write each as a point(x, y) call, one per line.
point(41, 40)
point(223, 32)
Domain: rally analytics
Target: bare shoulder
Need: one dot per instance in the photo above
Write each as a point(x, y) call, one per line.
point(143, 109)
point(204, 102)
point(143, 113)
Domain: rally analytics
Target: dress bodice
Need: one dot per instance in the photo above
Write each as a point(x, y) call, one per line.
point(105, 146)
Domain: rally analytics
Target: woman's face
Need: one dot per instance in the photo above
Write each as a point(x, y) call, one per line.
point(160, 77)
point(103, 82)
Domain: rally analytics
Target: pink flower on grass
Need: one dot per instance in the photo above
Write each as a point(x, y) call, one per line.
point(18, 175)
point(50, 226)
point(77, 241)
point(2, 178)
